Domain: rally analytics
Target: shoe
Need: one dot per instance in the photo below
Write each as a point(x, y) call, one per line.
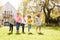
point(9, 30)
point(23, 32)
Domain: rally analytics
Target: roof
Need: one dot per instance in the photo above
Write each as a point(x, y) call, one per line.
point(9, 4)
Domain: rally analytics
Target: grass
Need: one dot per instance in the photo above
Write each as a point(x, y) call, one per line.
point(49, 33)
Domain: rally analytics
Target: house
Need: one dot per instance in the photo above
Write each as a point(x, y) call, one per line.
point(8, 8)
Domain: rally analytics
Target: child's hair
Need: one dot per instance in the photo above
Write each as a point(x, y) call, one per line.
point(38, 15)
point(29, 16)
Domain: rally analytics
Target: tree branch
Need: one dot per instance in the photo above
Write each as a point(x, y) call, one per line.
point(44, 10)
point(53, 6)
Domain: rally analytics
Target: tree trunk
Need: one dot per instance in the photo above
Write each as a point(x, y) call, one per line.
point(47, 17)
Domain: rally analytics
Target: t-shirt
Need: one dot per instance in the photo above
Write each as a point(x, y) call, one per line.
point(38, 21)
point(11, 20)
point(30, 21)
point(18, 19)
point(23, 21)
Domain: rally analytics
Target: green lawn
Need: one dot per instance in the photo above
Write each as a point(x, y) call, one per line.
point(49, 33)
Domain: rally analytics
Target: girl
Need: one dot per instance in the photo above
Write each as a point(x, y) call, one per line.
point(38, 22)
point(18, 22)
point(29, 23)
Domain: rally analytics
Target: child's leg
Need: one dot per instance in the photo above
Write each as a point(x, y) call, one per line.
point(17, 27)
point(12, 28)
point(39, 28)
point(9, 27)
point(36, 28)
point(29, 27)
point(23, 25)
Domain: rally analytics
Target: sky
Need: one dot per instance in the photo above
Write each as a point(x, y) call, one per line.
point(15, 3)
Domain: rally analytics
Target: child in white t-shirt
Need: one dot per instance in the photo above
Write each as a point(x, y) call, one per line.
point(38, 23)
point(23, 23)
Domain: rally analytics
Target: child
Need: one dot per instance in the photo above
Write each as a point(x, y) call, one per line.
point(11, 23)
point(18, 22)
point(29, 23)
point(23, 23)
point(38, 23)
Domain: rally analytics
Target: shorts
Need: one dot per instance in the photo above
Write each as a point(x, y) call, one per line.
point(38, 23)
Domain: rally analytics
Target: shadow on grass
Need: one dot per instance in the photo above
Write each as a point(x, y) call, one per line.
point(23, 33)
point(40, 34)
point(52, 27)
point(10, 33)
point(17, 33)
point(30, 33)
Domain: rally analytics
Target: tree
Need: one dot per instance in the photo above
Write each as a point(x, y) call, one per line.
point(46, 8)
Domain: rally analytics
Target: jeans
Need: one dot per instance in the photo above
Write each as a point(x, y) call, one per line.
point(17, 26)
point(23, 25)
point(11, 27)
point(29, 27)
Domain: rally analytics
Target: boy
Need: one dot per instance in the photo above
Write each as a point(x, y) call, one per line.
point(29, 23)
point(23, 23)
point(11, 23)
